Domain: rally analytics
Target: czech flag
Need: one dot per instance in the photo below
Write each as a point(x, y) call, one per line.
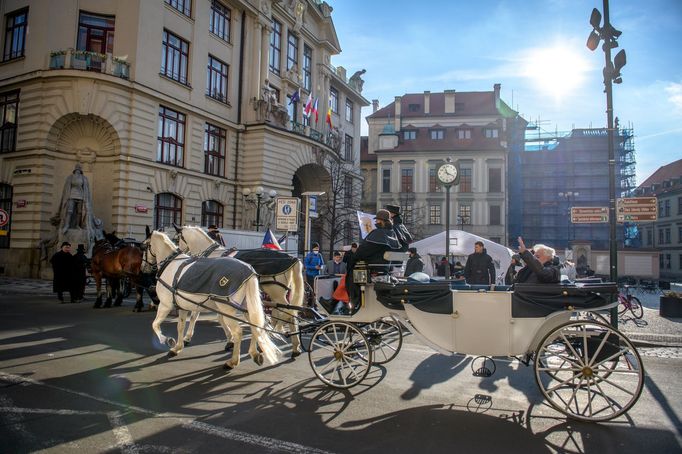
point(315, 108)
point(270, 242)
point(307, 110)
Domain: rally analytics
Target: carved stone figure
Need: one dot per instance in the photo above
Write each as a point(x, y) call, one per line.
point(269, 98)
point(356, 81)
point(75, 217)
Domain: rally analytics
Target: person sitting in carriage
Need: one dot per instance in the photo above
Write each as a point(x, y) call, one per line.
point(371, 250)
point(540, 268)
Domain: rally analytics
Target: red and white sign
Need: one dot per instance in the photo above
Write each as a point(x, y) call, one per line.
point(21, 203)
point(141, 209)
point(4, 218)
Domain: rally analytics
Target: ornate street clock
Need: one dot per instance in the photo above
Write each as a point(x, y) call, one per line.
point(447, 174)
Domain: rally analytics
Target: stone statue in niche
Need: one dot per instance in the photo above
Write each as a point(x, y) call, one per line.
point(75, 221)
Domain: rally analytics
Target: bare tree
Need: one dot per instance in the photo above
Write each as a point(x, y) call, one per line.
point(414, 217)
point(337, 219)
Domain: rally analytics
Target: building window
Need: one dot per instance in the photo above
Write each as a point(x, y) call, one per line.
point(406, 180)
point(275, 46)
point(464, 134)
point(334, 99)
point(15, 34)
point(667, 236)
point(96, 33)
point(171, 138)
point(212, 214)
point(174, 57)
point(679, 236)
point(214, 150)
point(434, 215)
point(406, 211)
point(220, 21)
point(292, 109)
point(307, 68)
point(348, 149)
point(184, 6)
point(666, 261)
point(9, 106)
point(437, 134)
point(386, 180)
point(167, 210)
point(216, 79)
point(666, 208)
point(494, 180)
point(413, 107)
point(434, 186)
point(464, 214)
point(649, 240)
point(409, 135)
point(465, 179)
point(495, 218)
point(349, 111)
point(292, 51)
point(490, 133)
point(347, 191)
point(5, 204)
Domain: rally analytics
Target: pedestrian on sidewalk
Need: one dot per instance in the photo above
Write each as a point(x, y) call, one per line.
point(63, 269)
point(80, 267)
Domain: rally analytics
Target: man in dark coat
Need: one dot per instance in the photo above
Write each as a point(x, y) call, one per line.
point(511, 271)
point(215, 235)
point(63, 268)
point(399, 228)
point(348, 255)
point(371, 250)
point(479, 269)
point(415, 264)
point(539, 268)
point(80, 267)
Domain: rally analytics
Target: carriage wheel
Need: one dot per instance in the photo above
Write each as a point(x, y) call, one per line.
point(386, 338)
point(340, 354)
point(589, 371)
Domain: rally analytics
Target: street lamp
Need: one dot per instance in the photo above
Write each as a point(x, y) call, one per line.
point(568, 195)
point(612, 76)
point(257, 197)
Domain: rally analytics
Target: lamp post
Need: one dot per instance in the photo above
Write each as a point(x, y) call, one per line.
point(308, 195)
point(568, 195)
point(611, 73)
point(257, 197)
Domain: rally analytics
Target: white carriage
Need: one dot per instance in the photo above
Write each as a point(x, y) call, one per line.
point(585, 368)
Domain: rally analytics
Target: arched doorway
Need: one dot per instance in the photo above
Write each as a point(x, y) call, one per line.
point(310, 178)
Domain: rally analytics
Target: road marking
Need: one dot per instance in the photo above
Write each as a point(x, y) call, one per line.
point(123, 437)
point(16, 422)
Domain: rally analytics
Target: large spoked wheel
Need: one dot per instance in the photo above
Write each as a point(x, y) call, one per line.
point(589, 371)
point(386, 338)
point(636, 307)
point(340, 354)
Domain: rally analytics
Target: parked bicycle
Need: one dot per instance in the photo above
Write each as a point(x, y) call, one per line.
point(628, 302)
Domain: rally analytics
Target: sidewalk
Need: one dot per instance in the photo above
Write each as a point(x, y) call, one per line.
point(652, 330)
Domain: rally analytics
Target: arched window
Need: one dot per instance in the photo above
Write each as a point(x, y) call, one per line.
point(167, 210)
point(6, 206)
point(212, 214)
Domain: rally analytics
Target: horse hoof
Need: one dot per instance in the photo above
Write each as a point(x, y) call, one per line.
point(171, 354)
point(258, 359)
point(227, 366)
point(295, 354)
point(170, 342)
point(229, 346)
point(187, 342)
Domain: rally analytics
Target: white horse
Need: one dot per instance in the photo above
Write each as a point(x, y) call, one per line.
point(173, 265)
point(196, 241)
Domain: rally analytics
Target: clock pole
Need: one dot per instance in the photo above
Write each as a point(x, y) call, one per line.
point(447, 228)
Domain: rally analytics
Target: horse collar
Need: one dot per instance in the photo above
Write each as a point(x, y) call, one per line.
point(167, 262)
point(209, 250)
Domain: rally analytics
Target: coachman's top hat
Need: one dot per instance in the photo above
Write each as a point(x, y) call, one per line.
point(393, 209)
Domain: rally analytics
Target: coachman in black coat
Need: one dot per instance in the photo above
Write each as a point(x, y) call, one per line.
point(63, 268)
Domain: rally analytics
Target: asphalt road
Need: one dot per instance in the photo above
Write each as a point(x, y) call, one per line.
point(77, 379)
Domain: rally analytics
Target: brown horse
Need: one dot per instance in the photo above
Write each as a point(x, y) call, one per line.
point(115, 260)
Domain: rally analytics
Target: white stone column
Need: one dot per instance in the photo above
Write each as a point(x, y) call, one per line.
point(264, 50)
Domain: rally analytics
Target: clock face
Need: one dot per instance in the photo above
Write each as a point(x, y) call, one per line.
point(447, 173)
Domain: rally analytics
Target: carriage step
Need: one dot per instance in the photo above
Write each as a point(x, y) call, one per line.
point(483, 366)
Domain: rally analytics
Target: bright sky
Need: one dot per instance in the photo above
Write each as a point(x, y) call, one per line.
point(536, 50)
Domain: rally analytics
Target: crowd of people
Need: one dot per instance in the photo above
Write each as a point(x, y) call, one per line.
point(69, 273)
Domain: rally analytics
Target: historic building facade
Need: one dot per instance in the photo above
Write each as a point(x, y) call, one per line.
point(173, 108)
point(409, 139)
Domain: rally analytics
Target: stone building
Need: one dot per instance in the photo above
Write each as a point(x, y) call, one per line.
point(412, 136)
point(173, 108)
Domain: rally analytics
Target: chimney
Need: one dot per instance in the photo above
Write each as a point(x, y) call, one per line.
point(449, 101)
point(427, 102)
point(375, 105)
point(496, 88)
point(396, 120)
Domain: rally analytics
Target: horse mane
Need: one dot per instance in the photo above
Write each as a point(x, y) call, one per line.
point(166, 239)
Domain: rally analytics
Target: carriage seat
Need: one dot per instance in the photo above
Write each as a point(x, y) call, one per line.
point(540, 300)
point(433, 297)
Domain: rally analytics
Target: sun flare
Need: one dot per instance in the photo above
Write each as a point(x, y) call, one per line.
point(557, 70)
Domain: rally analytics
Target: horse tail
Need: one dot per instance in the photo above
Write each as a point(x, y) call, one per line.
point(298, 287)
point(254, 305)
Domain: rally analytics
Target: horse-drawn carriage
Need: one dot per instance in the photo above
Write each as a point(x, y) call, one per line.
point(585, 368)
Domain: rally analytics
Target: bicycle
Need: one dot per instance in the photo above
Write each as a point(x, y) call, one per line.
point(626, 302)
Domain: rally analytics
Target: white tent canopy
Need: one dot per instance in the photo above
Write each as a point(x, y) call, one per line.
point(461, 244)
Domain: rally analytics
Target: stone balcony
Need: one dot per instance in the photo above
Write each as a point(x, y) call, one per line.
point(89, 61)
